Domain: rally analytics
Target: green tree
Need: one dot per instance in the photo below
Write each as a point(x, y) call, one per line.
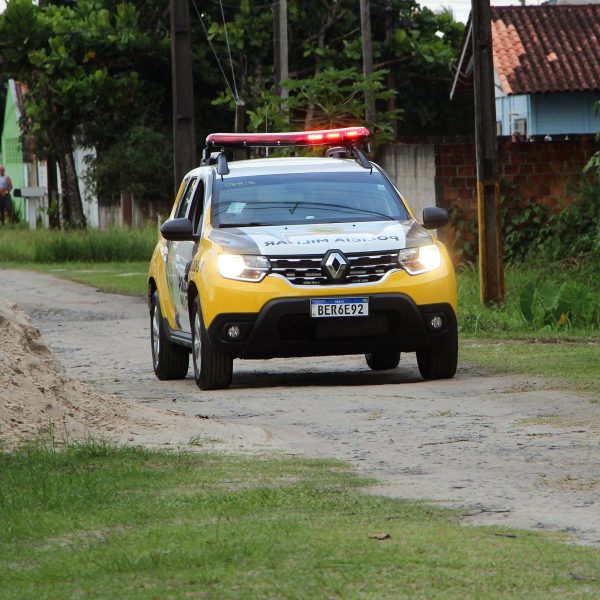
point(78, 61)
point(414, 51)
point(332, 98)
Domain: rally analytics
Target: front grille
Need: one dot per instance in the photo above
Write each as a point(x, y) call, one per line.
point(306, 270)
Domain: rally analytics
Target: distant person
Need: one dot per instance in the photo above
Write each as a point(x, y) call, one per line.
point(6, 207)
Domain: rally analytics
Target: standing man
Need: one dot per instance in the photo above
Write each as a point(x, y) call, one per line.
point(6, 207)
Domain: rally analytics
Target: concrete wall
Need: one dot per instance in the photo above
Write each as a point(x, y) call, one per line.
point(412, 168)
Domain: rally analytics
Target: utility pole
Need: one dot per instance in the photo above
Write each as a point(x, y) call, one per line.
point(367, 52)
point(184, 134)
point(280, 46)
point(491, 267)
point(391, 77)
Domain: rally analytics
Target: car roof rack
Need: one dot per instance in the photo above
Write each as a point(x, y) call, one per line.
point(343, 139)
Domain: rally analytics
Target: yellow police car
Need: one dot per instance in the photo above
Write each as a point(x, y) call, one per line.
point(305, 256)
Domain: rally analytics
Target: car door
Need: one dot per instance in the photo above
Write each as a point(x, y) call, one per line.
point(180, 254)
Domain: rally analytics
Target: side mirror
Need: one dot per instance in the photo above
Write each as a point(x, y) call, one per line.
point(178, 230)
point(434, 217)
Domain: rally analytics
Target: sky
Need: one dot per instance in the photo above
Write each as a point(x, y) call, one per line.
point(462, 8)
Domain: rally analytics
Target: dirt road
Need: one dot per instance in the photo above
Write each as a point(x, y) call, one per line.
point(506, 450)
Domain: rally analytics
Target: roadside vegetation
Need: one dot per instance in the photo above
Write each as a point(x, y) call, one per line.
point(93, 520)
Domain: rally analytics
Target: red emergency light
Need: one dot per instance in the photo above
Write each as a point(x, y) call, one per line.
point(290, 138)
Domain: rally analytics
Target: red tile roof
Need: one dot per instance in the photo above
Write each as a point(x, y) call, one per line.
point(544, 49)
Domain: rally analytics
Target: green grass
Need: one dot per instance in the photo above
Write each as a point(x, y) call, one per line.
point(94, 521)
point(22, 245)
point(572, 364)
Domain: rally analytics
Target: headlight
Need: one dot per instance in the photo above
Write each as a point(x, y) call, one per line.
point(243, 267)
point(420, 260)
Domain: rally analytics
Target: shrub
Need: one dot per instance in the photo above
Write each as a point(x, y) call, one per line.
point(575, 231)
point(555, 306)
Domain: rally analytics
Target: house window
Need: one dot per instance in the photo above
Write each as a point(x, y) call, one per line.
point(12, 150)
point(520, 127)
point(498, 127)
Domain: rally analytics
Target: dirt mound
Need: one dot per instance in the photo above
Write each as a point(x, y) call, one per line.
point(35, 393)
point(37, 396)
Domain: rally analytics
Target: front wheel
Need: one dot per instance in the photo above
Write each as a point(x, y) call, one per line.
point(381, 361)
point(169, 360)
point(212, 369)
point(439, 361)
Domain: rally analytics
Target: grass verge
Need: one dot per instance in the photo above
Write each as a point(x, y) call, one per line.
point(572, 364)
point(129, 278)
point(96, 521)
point(18, 244)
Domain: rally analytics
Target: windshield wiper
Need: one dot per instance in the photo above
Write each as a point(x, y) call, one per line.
point(251, 224)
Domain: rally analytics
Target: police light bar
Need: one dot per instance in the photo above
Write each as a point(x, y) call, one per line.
point(342, 136)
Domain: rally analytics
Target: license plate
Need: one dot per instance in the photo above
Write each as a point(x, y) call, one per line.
point(339, 307)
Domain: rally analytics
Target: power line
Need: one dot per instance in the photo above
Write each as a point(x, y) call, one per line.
point(236, 97)
point(233, 95)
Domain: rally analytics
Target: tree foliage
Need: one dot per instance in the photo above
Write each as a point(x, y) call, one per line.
point(83, 64)
point(414, 52)
point(98, 75)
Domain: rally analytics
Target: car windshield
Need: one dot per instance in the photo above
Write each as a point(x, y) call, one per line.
point(295, 198)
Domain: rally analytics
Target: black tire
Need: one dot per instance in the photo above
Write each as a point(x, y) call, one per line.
point(212, 369)
point(380, 361)
point(439, 361)
point(169, 360)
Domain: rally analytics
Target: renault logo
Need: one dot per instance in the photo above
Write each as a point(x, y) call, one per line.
point(335, 265)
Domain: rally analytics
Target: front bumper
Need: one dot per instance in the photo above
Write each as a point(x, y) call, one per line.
point(284, 328)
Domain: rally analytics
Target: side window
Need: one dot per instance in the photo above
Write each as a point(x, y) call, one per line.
point(186, 200)
point(198, 205)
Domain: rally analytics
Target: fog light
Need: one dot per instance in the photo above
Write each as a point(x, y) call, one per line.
point(233, 331)
point(436, 322)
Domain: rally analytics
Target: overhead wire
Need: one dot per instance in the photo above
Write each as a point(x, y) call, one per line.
point(236, 97)
point(233, 95)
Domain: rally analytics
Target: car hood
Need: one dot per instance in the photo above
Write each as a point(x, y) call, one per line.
point(286, 240)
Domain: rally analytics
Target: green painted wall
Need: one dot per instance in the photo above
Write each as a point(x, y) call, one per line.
point(12, 157)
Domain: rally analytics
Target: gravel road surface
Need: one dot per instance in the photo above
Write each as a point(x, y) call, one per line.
point(506, 450)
